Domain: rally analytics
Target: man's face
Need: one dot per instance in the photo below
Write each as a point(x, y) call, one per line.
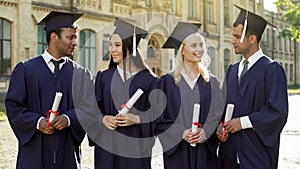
point(67, 43)
point(239, 48)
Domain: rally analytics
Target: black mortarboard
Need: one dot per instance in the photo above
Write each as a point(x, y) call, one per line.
point(126, 30)
point(55, 20)
point(253, 21)
point(180, 32)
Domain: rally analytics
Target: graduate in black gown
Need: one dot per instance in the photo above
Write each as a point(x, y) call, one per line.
point(260, 99)
point(126, 140)
point(189, 83)
point(31, 93)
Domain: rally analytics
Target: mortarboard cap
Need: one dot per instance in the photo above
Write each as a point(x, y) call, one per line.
point(253, 21)
point(55, 20)
point(127, 30)
point(180, 32)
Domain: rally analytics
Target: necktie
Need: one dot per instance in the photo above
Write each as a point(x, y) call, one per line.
point(56, 65)
point(244, 69)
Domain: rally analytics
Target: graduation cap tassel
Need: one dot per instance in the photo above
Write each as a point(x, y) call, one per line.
point(245, 25)
point(134, 43)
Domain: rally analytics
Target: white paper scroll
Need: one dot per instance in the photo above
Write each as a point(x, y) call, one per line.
point(55, 105)
point(229, 111)
point(131, 101)
point(196, 114)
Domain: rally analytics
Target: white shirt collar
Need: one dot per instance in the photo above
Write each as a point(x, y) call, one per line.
point(190, 82)
point(121, 72)
point(47, 58)
point(252, 60)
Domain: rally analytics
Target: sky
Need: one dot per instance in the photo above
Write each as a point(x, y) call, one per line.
point(268, 4)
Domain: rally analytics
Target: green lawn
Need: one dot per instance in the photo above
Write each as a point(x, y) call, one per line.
point(294, 91)
point(2, 112)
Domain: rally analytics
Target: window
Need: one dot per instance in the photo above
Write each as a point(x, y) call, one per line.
point(226, 13)
point(192, 8)
point(268, 36)
point(211, 53)
point(150, 3)
point(105, 53)
point(291, 72)
point(174, 6)
point(87, 45)
point(209, 10)
point(286, 68)
point(284, 44)
point(42, 39)
point(279, 43)
point(5, 47)
point(226, 59)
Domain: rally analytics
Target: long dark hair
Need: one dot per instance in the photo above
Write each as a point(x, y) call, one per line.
point(137, 60)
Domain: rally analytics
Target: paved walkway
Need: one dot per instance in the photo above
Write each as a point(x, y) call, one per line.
point(289, 150)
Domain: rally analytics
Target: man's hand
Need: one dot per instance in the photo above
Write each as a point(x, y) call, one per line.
point(233, 125)
point(220, 135)
point(60, 122)
point(43, 127)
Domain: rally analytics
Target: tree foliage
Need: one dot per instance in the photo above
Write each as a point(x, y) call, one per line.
point(291, 14)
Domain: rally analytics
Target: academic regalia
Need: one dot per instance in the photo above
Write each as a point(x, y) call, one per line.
point(261, 95)
point(30, 95)
point(115, 149)
point(177, 117)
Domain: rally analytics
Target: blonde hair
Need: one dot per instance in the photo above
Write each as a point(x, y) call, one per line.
point(202, 65)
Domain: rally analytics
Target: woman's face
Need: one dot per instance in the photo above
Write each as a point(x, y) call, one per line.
point(115, 48)
point(193, 48)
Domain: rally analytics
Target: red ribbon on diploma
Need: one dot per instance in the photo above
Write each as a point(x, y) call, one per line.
point(224, 131)
point(124, 105)
point(48, 115)
point(197, 124)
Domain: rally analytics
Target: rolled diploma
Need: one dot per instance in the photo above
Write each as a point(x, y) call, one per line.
point(229, 111)
point(55, 105)
point(195, 119)
point(131, 101)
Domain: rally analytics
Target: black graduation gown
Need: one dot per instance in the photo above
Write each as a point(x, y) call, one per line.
point(262, 95)
point(177, 117)
point(30, 95)
point(118, 149)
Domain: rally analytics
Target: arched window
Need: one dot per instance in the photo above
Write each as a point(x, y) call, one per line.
point(211, 53)
point(87, 45)
point(42, 39)
point(5, 47)
point(226, 59)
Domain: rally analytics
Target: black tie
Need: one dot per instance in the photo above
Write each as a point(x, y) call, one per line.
point(56, 65)
point(244, 69)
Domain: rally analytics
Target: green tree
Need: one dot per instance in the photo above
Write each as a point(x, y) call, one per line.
point(291, 13)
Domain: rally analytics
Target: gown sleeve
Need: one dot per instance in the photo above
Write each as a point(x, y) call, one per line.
point(22, 120)
point(269, 121)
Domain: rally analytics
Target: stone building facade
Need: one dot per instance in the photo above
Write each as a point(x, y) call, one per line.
point(21, 38)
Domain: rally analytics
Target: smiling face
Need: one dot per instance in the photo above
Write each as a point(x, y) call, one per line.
point(193, 48)
point(115, 48)
point(66, 43)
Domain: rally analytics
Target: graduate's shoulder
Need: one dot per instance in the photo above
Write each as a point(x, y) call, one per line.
point(78, 69)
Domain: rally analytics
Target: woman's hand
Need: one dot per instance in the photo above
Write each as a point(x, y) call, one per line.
point(110, 122)
point(197, 137)
point(127, 119)
point(222, 134)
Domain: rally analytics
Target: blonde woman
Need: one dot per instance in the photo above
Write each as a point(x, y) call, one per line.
point(189, 83)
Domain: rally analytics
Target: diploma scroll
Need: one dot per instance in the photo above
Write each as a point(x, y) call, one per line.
point(131, 101)
point(196, 114)
point(55, 105)
point(228, 116)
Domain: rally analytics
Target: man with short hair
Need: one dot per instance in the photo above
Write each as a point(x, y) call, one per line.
point(257, 87)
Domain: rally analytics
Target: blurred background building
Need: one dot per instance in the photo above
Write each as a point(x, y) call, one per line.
point(21, 38)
